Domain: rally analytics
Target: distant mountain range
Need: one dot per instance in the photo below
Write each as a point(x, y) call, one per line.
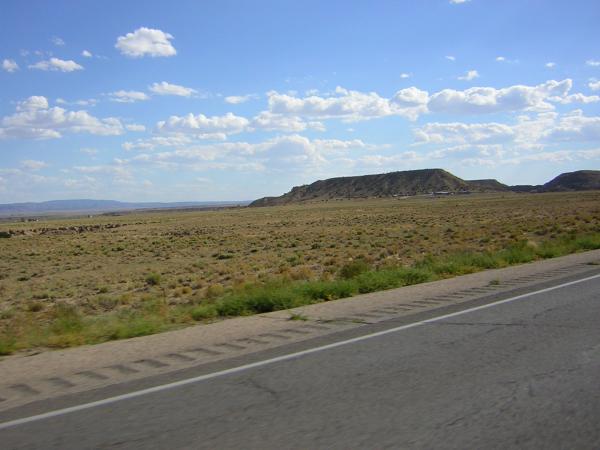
point(416, 182)
point(393, 184)
point(88, 206)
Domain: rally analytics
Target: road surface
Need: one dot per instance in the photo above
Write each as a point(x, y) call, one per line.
point(522, 373)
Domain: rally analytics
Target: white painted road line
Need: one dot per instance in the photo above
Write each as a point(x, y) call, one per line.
point(233, 370)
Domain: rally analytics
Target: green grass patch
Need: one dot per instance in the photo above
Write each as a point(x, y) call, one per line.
point(66, 326)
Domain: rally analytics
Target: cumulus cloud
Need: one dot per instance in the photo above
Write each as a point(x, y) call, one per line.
point(404, 75)
point(33, 102)
point(32, 164)
point(291, 152)
point(396, 160)
point(86, 54)
point(530, 134)
point(470, 75)
point(82, 102)
point(479, 100)
point(593, 63)
point(550, 65)
point(237, 99)
point(164, 88)
point(36, 120)
point(458, 2)
point(574, 127)
point(349, 105)
point(451, 58)
point(173, 140)
point(201, 126)
point(135, 127)
point(10, 65)
point(594, 85)
point(504, 59)
point(268, 121)
point(128, 96)
point(146, 42)
point(59, 42)
point(575, 98)
point(56, 64)
point(456, 132)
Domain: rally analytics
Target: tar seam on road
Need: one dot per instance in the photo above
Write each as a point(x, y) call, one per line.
point(208, 376)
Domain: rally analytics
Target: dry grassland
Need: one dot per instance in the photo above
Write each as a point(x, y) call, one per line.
point(71, 281)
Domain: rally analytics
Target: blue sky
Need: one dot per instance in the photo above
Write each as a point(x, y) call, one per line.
point(231, 100)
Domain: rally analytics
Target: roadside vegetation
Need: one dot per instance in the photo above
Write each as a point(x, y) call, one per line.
point(151, 273)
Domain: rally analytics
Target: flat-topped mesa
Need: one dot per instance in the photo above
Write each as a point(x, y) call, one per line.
point(581, 180)
point(416, 182)
point(392, 184)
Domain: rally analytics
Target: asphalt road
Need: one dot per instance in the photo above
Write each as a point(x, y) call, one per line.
point(521, 374)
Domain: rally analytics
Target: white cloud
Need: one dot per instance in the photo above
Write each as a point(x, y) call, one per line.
point(504, 59)
point(164, 88)
point(405, 75)
point(490, 100)
point(410, 98)
point(35, 119)
point(33, 102)
point(594, 85)
point(575, 98)
point(128, 96)
point(237, 99)
point(451, 58)
point(146, 42)
point(593, 63)
point(470, 75)
point(119, 172)
point(458, 2)
point(173, 140)
point(203, 127)
point(412, 102)
point(135, 127)
point(59, 42)
point(389, 160)
point(82, 102)
point(550, 65)
point(349, 105)
point(266, 120)
point(31, 164)
point(292, 152)
point(10, 65)
point(86, 54)
point(461, 133)
point(89, 151)
point(574, 127)
point(55, 64)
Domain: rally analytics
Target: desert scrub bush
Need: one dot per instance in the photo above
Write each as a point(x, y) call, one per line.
point(214, 290)
point(301, 273)
point(153, 279)
point(204, 312)
point(66, 319)
point(353, 269)
point(256, 299)
point(378, 280)
point(518, 253)
point(7, 344)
